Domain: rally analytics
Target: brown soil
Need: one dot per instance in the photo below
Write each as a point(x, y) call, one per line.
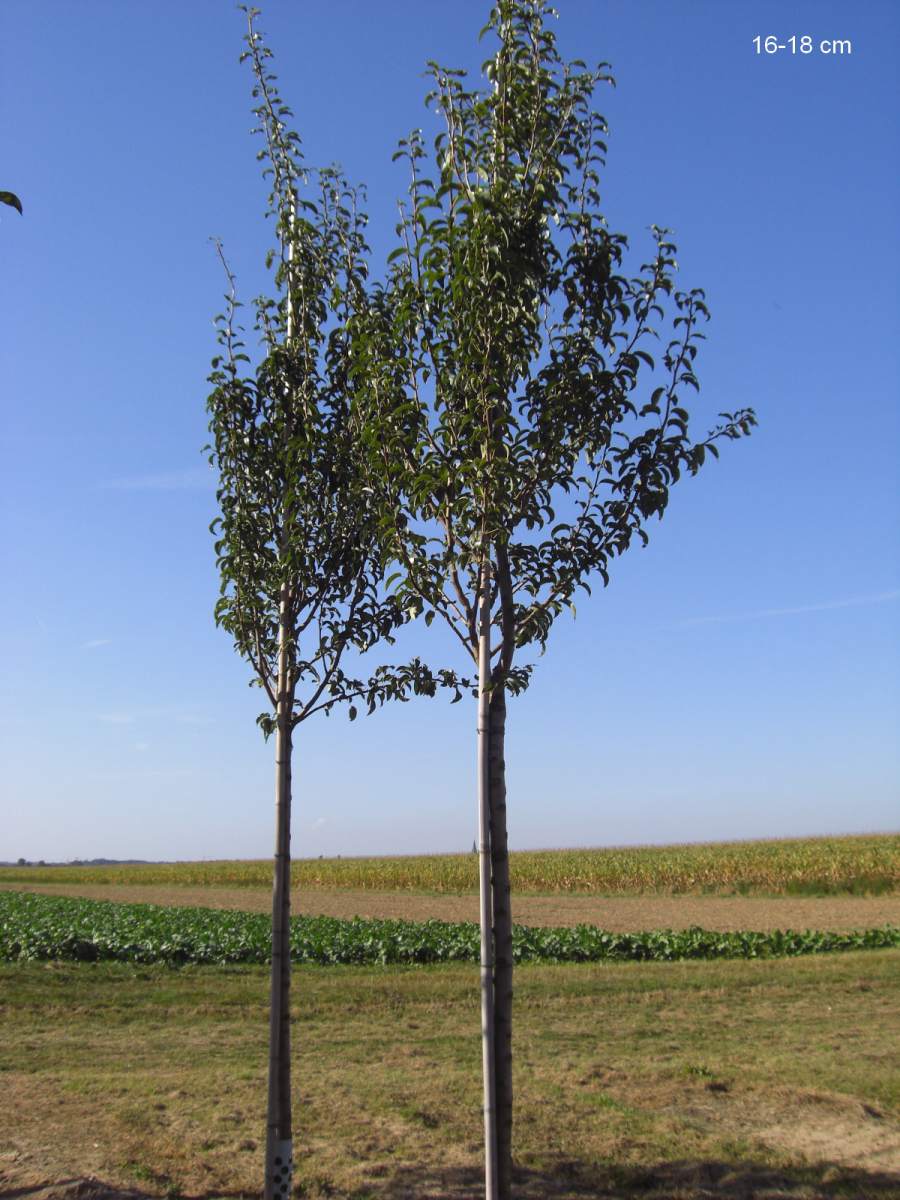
point(620, 914)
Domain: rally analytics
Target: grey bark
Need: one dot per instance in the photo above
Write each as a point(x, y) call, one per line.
point(488, 1058)
point(279, 1137)
point(503, 956)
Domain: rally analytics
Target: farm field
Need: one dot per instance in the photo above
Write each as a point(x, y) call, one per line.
point(54, 928)
point(860, 865)
point(619, 914)
point(691, 1080)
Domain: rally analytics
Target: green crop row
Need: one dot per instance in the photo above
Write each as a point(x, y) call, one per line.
point(797, 866)
point(34, 927)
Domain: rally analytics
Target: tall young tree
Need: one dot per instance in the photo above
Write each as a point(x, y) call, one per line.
point(297, 543)
point(522, 436)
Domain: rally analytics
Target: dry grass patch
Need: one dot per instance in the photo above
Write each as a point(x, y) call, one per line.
point(694, 1080)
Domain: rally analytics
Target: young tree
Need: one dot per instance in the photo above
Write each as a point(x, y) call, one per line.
point(521, 435)
point(297, 543)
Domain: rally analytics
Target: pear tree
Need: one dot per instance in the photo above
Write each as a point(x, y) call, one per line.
point(520, 433)
point(297, 536)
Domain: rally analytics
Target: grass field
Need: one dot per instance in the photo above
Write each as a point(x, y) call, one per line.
point(864, 865)
point(679, 1081)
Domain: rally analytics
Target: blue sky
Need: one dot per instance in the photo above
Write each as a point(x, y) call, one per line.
point(739, 678)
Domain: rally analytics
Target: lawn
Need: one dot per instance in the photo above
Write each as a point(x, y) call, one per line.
point(679, 1080)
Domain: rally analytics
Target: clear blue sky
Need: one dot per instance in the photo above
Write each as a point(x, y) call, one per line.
point(739, 678)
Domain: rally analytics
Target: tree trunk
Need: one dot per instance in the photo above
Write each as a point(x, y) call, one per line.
point(279, 1136)
point(503, 955)
point(488, 1060)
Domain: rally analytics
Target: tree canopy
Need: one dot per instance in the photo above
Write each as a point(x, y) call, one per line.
point(506, 358)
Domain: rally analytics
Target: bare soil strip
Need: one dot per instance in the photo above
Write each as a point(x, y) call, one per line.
point(619, 914)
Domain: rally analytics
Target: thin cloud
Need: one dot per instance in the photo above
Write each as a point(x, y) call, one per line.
point(116, 718)
point(193, 479)
point(319, 822)
point(824, 606)
point(95, 642)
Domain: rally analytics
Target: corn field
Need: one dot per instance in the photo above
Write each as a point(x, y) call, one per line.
point(801, 866)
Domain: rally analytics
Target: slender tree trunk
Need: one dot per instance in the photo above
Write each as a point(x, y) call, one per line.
point(484, 874)
point(279, 1136)
point(503, 955)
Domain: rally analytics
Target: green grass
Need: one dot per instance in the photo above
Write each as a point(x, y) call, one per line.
point(863, 865)
point(55, 928)
point(689, 1080)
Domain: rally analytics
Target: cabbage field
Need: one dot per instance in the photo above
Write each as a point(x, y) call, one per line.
point(35, 927)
